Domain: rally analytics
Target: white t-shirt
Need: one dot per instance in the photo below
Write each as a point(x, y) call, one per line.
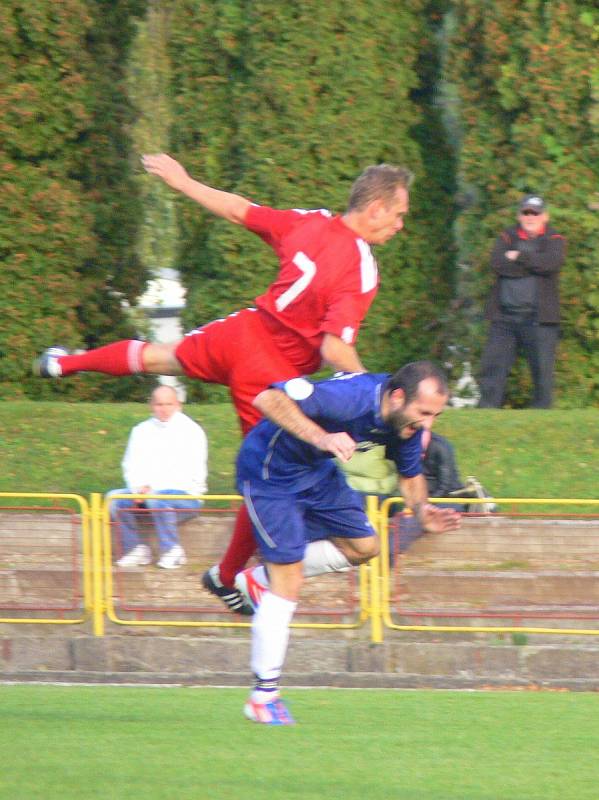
point(167, 455)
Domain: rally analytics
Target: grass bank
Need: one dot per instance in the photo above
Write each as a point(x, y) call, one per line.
point(78, 447)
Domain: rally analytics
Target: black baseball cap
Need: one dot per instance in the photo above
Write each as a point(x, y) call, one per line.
point(532, 202)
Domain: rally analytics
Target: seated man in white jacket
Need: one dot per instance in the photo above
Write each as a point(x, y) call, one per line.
point(167, 454)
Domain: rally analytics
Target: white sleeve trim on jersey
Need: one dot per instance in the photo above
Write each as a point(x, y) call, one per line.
point(368, 268)
point(347, 335)
point(324, 211)
point(298, 388)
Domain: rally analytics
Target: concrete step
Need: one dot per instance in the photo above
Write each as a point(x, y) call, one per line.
point(495, 540)
point(485, 589)
point(490, 561)
point(40, 586)
point(151, 587)
point(198, 659)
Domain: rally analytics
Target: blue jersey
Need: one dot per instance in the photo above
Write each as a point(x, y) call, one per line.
point(278, 463)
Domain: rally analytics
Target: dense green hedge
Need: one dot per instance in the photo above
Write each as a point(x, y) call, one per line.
point(286, 104)
point(68, 212)
point(527, 87)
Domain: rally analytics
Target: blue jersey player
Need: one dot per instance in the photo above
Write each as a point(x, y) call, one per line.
point(306, 518)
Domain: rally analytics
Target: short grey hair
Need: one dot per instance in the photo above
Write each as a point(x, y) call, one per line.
point(378, 182)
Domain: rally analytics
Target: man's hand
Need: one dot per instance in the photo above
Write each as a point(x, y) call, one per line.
point(165, 167)
point(438, 520)
point(512, 254)
point(227, 205)
point(339, 444)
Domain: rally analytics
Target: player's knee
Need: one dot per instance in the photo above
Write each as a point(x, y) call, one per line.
point(372, 548)
point(160, 359)
point(362, 550)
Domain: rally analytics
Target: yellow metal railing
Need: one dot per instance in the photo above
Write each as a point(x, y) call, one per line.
point(88, 571)
point(386, 611)
point(374, 578)
point(112, 614)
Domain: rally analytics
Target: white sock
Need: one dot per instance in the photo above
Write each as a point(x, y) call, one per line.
point(322, 556)
point(270, 636)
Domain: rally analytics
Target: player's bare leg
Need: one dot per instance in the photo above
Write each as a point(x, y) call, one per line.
point(321, 556)
point(358, 550)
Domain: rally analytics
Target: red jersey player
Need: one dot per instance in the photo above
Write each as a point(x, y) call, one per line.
point(309, 316)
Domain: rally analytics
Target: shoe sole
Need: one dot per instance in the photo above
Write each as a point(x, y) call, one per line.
point(249, 714)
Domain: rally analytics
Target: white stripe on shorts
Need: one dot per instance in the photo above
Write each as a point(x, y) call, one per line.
point(254, 517)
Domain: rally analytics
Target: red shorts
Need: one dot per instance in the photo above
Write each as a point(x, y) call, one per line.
point(238, 352)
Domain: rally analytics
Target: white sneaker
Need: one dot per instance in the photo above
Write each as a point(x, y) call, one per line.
point(47, 366)
point(173, 558)
point(138, 557)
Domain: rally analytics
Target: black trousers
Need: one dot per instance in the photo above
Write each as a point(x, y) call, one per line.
point(506, 339)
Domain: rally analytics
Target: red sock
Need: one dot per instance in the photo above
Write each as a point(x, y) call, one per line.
point(241, 548)
point(119, 358)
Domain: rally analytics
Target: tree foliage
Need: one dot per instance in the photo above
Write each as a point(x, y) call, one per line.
point(148, 87)
point(286, 104)
point(526, 82)
point(67, 210)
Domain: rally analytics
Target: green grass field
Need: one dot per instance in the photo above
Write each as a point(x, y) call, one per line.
point(129, 743)
point(78, 447)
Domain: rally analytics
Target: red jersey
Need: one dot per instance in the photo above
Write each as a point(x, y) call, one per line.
point(327, 280)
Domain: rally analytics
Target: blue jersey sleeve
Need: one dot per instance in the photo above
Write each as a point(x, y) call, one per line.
point(340, 399)
point(407, 455)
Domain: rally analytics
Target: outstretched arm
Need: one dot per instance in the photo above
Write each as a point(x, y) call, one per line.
point(224, 204)
point(340, 356)
point(276, 406)
point(432, 518)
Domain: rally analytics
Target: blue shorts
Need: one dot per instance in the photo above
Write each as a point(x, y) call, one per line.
point(283, 526)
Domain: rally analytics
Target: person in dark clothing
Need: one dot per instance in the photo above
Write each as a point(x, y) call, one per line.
point(442, 476)
point(440, 468)
point(523, 307)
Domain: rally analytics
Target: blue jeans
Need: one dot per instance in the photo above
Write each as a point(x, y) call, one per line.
point(165, 515)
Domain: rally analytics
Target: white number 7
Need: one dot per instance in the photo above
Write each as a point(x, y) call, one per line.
point(308, 270)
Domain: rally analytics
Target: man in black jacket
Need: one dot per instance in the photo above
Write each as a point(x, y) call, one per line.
point(523, 307)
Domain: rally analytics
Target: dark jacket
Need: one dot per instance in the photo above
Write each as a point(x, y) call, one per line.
point(440, 468)
point(541, 257)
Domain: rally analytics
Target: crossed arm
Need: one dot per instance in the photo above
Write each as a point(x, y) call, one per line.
point(509, 262)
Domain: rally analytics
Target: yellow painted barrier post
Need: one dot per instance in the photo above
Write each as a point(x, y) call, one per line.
point(97, 561)
point(376, 622)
